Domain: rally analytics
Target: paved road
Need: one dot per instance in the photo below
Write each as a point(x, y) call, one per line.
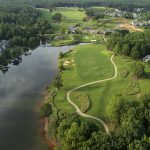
point(91, 83)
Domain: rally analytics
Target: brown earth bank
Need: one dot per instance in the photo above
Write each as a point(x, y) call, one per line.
point(43, 123)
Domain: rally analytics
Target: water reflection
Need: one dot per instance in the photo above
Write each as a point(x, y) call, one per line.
point(20, 92)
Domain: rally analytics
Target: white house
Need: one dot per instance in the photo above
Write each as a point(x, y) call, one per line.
point(146, 58)
point(3, 45)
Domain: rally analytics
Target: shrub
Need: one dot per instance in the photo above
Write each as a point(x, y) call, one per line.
point(124, 74)
point(133, 88)
point(138, 70)
point(82, 99)
point(46, 110)
point(57, 17)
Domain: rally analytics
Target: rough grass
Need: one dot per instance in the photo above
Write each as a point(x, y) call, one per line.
point(82, 100)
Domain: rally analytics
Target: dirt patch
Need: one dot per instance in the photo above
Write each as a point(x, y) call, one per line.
point(130, 27)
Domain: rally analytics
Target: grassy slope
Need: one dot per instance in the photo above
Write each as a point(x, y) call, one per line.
point(92, 63)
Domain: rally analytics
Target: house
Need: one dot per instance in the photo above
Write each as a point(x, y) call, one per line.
point(108, 31)
point(90, 30)
point(115, 13)
point(146, 58)
point(139, 23)
point(3, 45)
point(73, 29)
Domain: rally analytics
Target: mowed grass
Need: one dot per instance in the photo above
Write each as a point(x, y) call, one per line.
point(70, 15)
point(102, 94)
point(90, 63)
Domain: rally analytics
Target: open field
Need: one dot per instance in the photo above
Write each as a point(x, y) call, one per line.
point(90, 63)
point(70, 16)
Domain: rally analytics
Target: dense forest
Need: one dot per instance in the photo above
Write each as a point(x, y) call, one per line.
point(131, 121)
point(122, 4)
point(21, 25)
point(135, 45)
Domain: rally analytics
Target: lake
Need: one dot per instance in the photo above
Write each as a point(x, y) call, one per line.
point(20, 93)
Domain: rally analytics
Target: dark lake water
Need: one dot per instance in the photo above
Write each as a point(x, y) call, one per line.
point(20, 92)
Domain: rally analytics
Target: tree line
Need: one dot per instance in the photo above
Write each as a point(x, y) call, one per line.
point(135, 45)
point(131, 121)
point(21, 25)
point(128, 5)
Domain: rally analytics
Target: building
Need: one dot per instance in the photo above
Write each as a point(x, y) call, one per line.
point(3, 45)
point(140, 23)
point(73, 29)
point(146, 58)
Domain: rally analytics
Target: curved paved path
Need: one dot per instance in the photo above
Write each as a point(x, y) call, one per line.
point(91, 83)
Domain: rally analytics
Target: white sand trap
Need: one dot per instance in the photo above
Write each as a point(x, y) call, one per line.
point(65, 64)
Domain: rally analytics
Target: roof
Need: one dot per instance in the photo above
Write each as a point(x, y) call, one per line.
point(72, 28)
point(147, 57)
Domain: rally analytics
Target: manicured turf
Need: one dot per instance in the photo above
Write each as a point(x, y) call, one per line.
point(92, 63)
point(87, 63)
point(71, 15)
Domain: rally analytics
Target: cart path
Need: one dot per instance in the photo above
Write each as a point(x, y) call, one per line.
point(91, 83)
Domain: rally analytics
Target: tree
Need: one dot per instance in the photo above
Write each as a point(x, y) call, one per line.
point(61, 55)
point(63, 31)
point(126, 50)
point(84, 19)
point(57, 17)
point(46, 110)
point(61, 67)
point(116, 109)
point(98, 140)
point(148, 63)
point(76, 39)
point(138, 70)
point(58, 82)
point(76, 136)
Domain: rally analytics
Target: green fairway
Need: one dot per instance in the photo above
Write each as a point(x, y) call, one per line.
point(101, 94)
point(45, 13)
point(84, 64)
point(71, 16)
point(90, 63)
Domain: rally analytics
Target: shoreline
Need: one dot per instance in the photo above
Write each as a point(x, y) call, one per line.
point(43, 122)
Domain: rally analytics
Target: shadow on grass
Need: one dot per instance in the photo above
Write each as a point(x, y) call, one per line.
point(147, 75)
